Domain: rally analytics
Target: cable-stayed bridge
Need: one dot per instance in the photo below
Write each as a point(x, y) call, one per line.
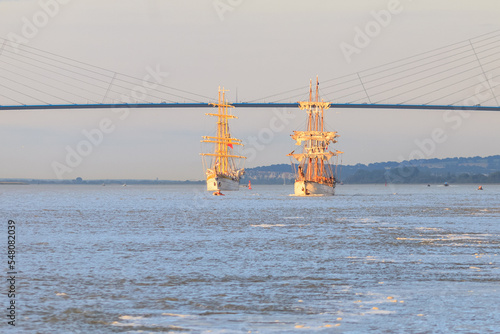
point(459, 76)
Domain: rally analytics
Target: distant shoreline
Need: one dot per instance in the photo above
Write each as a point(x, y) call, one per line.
point(95, 182)
point(473, 170)
point(202, 183)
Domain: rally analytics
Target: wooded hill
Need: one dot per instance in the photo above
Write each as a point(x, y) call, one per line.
point(451, 170)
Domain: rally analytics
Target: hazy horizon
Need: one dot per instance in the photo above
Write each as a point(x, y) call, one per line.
point(201, 179)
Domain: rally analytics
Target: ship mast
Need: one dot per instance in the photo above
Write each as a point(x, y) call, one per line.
point(313, 162)
point(222, 161)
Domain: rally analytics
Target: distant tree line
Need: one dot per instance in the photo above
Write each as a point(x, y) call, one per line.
point(428, 171)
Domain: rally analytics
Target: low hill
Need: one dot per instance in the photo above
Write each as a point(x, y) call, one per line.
point(451, 170)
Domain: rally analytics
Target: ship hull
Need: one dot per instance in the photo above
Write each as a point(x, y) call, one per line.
point(222, 183)
point(310, 188)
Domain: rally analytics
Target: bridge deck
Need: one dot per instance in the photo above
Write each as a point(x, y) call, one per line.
point(245, 105)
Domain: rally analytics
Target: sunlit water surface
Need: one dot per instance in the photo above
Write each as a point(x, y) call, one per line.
point(393, 259)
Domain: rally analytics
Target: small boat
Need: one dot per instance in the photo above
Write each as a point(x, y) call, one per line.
point(315, 176)
point(480, 188)
point(446, 184)
point(220, 165)
point(218, 193)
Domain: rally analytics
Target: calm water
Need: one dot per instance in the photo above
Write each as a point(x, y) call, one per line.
point(405, 259)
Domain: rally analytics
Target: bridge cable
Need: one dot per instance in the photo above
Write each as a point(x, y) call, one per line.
point(122, 74)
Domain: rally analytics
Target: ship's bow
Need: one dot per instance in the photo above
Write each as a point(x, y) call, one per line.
point(310, 188)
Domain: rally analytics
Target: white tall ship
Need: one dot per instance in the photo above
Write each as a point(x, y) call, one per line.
point(315, 176)
point(221, 166)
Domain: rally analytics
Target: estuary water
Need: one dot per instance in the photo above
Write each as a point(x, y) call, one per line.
point(175, 259)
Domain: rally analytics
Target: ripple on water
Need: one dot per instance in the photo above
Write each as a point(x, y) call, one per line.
point(173, 259)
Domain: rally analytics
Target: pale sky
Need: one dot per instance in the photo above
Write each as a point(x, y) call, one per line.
point(253, 47)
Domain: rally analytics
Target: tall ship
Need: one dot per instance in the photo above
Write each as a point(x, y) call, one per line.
point(221, 165)
point(314, 173)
